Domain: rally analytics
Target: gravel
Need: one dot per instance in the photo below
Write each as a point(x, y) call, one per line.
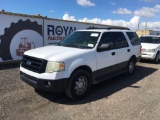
point(135, 97)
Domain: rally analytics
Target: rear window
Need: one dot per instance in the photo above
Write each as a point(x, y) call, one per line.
point(133, 38)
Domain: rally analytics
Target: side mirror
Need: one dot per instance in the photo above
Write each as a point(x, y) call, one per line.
point(103, 47)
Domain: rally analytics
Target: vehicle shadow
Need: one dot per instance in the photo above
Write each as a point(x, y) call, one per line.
point(148, 61)
point(9, 65)
point(104, 89)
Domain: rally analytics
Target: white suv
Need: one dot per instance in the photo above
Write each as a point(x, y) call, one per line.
point(83, 58)
point(150, 47)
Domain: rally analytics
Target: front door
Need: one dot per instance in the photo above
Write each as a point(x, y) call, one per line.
point(106, 59)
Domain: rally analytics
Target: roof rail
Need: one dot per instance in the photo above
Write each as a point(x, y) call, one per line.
point(111, 27)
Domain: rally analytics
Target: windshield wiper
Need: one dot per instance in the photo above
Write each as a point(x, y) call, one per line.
point(76, 45)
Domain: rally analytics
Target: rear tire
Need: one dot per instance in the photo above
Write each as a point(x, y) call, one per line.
point(130, 67)
point(79, 85)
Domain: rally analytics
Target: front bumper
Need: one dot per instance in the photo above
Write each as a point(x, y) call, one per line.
point(150, 56)
point(45, 84)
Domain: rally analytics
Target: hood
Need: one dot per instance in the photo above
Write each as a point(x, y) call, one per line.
point(55, 52)
point(149, 46)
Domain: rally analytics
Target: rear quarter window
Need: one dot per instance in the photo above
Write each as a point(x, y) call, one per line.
point(133, 38)
point(120, 40)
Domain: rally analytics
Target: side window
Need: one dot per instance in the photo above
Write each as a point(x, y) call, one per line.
point(106, 39)
point(119, 40)
point(133, 38)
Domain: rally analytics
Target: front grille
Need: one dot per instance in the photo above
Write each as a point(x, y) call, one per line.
point(34, 64)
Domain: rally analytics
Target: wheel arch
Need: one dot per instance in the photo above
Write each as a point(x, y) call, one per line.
point(83, 67)
point(157, 53)
point(134, 58)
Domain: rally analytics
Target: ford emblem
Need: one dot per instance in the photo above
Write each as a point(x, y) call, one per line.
point(28, 63)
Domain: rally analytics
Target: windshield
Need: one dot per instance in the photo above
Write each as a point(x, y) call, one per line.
point(81, 39)
point(154, 40)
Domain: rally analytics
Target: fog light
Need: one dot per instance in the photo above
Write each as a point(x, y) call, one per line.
point(47, 84)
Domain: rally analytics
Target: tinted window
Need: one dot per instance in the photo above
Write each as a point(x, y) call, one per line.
point(119, 40)
point(133, 38)
point(106, 39)
point(154, 40)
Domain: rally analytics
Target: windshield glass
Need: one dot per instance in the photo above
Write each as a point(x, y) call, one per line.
point(154, 40)
point(81, 39)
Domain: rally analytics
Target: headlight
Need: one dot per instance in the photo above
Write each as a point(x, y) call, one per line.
point(55, 67)
point(151, 50)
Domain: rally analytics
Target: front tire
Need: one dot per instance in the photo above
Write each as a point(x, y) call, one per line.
point(156, 59)
point(78, 85)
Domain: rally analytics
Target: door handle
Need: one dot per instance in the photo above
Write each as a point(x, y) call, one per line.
point(113, 53)
point(128, 50)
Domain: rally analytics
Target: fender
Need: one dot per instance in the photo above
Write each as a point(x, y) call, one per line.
point(82, 62)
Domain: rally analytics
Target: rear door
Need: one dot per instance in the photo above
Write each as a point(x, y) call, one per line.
point(123, 50)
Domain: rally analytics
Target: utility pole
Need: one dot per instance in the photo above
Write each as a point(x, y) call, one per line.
point(146, 26)
point(138, 25)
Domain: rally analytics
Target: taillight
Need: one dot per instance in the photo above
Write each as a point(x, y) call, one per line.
point(140, 49)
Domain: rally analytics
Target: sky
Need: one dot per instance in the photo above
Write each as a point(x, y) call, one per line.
point(142, 14)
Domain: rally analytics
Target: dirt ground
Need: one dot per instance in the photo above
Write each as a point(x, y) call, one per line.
point(135, 97)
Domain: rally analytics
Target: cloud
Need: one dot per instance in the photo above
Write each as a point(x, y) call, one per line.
point(148, 1)
point(147, 12)
point(52, 11)
point(122, 11)
point(151, 25)
point(85, 3)
point(132, 23)
point(113, 3)
point(67, 17)
point(95, 20)
point(157, 6)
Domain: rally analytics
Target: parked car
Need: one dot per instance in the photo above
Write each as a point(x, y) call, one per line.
point(84, 58)
point(150, 47)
